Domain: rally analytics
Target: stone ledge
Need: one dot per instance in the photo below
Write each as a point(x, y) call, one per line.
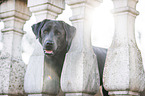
point(13, 29)
point(124, 93)
point(47, 6)
point(14, 13)
point(125, 9)
point(90, 2)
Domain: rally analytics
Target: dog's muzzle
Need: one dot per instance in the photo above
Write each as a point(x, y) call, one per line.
point(48, 48)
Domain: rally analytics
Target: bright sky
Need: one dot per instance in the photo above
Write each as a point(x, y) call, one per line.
point(102, 29)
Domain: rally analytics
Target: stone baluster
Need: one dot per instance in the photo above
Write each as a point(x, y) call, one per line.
point(37, 69)
point(14, 14)
point(80, 71)
point(124, 73)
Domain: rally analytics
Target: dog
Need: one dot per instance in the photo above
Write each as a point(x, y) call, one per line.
point(55, 38)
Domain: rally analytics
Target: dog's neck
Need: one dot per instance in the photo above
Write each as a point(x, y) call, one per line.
point(56, 61)
point(57, 58)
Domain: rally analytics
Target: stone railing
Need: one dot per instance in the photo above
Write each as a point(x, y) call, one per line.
point(14, 14)
point(124, 66)
point(123, 74)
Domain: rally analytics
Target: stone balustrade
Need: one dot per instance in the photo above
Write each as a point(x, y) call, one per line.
point(14, 14)
point(80, 76)
point(123, 74)
point(37, 68)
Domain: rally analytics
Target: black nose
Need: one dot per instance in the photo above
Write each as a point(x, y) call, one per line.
point(48, 43)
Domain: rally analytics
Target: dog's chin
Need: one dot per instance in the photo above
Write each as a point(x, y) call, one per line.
point(49, 52)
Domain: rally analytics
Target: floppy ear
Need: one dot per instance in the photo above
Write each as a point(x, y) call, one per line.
point(70, 33)
point(37, 28)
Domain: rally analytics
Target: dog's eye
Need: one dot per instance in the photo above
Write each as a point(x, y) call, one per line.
point(57, 33)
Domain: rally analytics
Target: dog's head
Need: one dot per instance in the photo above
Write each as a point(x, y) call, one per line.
point(55, 36)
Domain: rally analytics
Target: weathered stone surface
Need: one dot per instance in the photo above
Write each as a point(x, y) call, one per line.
point(40, 95)
point(14, 14)
point(46, 9)
point(80, 75)
point(34, 74)
point(78, 94)
point(124, 73)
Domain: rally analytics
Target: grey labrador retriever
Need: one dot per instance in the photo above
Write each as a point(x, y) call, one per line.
point(56, 38)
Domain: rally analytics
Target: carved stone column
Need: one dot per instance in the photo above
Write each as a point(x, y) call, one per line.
point(124, 73)
point(14, 14)
point(37, 69)
point(80, 75)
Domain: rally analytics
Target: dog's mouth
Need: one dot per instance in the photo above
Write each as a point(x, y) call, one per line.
point(48, 52)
